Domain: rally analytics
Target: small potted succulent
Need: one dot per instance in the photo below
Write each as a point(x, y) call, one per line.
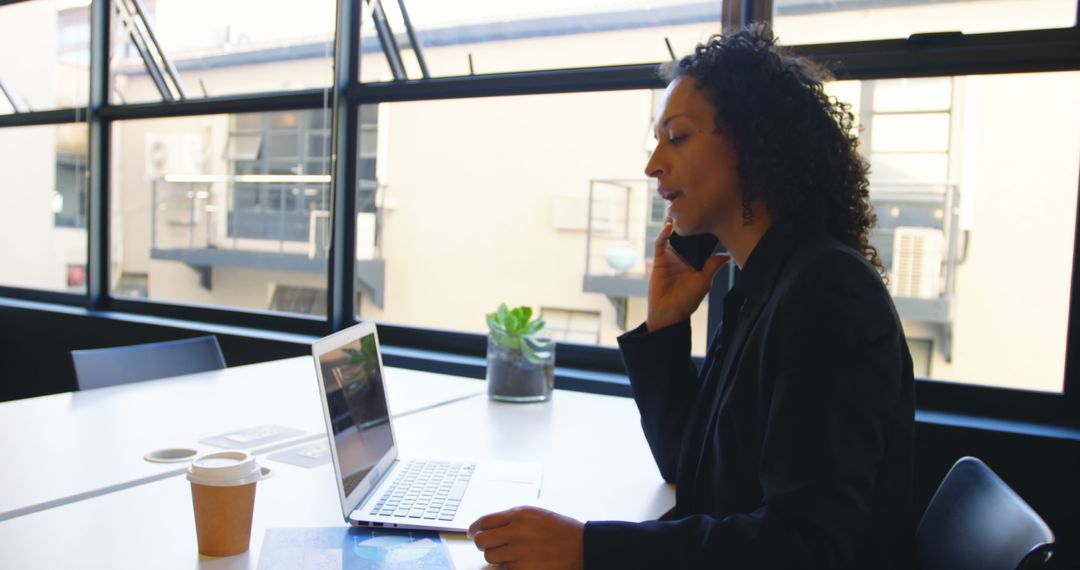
point(520, 364)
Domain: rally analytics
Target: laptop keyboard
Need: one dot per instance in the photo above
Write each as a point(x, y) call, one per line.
point(429, 490)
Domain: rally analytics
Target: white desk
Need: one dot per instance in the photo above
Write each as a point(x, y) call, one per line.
point(67, 447)
point(596, 466)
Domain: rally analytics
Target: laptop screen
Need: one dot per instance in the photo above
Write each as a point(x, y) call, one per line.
point(356, 398)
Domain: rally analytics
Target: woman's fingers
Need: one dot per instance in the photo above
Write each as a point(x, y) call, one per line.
point(493, 538)
point(487, 522)
point(714, 263)
point(662, 238)
point(500, 555)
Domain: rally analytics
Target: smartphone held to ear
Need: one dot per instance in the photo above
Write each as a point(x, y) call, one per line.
point(695, 250)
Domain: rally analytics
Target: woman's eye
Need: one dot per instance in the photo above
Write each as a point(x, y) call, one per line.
point(676, 139)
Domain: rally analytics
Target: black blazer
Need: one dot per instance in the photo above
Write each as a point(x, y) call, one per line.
point(793, 447)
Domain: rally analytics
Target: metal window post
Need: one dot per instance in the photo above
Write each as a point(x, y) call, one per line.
point(341, 282)
point(97, 227)
point(156, 74)
point(414, 41)
point(737, 14)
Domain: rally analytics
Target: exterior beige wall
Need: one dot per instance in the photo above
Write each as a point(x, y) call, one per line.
point(231, 286)
point(1021, 193)
point(902, 21)
point(472, 184)
point(29, 62)
point(34, 252)
point(279, 76)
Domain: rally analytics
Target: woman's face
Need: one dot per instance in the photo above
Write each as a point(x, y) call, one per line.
point(693, 163)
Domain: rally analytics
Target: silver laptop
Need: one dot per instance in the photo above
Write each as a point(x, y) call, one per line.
point(378, 488)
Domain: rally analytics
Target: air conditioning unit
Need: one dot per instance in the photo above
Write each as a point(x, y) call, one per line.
point(319, 234)
point(173, 153)
point(916, 264)
point(365, 235)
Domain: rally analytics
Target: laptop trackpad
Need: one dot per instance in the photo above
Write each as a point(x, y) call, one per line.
point(498, 486)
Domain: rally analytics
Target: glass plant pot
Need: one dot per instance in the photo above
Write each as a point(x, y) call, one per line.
point(517, 375)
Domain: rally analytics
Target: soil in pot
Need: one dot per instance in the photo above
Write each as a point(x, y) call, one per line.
point(512, 378)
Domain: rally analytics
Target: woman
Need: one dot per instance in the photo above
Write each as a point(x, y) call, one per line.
point(792, 448)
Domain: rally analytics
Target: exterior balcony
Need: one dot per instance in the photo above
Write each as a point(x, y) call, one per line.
point(207, 221)
point(623, 221)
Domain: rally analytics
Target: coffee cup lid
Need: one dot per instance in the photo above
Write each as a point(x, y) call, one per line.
point(224, 469)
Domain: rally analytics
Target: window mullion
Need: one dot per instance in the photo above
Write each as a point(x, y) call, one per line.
point(760, 11)
point(97, 286)
point(737, 14)
point(341, 283)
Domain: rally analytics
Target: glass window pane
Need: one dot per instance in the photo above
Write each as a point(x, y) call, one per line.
point(920, 132)
point(976, 210)
point(490, 36)
point(922, 94)
point(317, 144)
point(284, 119)
point(284, 145)
point(44, 55)
point(43, 207)
point(826, 21)
point(569, 325)
point(221, 48)
point(206, 227)
point(245, 147)
point(498, 213)
point(899, 168)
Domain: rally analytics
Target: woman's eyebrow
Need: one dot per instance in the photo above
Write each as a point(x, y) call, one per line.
point(663, 124)
point(670, 117)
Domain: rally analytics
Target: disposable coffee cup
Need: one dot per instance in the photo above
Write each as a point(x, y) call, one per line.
point(223, 495)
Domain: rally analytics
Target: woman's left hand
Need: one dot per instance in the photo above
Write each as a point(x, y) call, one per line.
point(528, 538)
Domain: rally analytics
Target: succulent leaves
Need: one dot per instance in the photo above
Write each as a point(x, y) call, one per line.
point(515, 329)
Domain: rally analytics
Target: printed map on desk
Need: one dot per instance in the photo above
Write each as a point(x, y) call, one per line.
point(343, 548)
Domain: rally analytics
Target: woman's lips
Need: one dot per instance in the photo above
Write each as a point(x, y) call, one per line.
point(670, 195)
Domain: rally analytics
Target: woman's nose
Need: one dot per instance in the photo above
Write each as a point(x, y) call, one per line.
point(655, 167)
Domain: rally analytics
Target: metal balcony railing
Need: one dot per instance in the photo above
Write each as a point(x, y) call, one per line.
point(622, 225)
point(283, 214)
point(269, 222)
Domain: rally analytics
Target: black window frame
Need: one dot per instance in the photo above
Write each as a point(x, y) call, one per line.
point(590, 368)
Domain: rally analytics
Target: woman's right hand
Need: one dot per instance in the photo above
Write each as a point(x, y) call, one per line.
point(675, 289)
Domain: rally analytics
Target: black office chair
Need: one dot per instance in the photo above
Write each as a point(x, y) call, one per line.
point(976, 521)
point(100, 367)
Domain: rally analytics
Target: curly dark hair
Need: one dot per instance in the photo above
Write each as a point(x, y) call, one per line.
point(796, 146)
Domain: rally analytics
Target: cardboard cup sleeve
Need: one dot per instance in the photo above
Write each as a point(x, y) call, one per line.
point(223, 518)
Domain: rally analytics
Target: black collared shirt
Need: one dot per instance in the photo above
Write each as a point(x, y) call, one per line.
point(792, 448)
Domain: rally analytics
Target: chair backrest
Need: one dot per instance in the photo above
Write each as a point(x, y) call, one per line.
point(100, 367)
point(975, 520)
